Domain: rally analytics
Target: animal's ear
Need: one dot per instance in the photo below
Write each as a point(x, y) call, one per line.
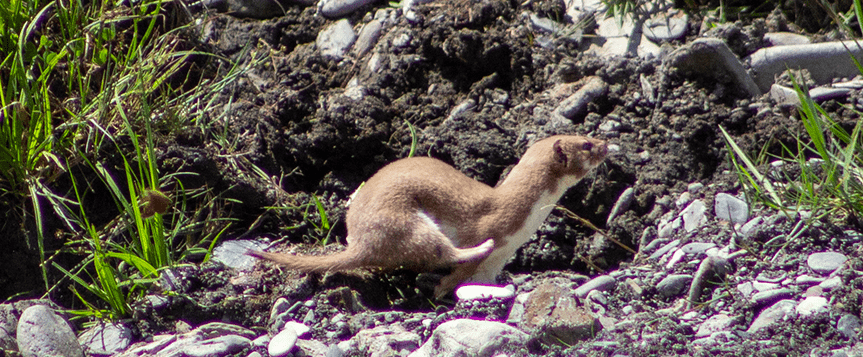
point(559, 155)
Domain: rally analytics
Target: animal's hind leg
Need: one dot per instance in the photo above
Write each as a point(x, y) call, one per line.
point(463, 255)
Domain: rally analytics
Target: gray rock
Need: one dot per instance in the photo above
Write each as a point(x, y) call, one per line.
point(338, 8)
point(665, 249)
point(368, 37)
point(575, 106)
point(824, 61)
point(622, 204)
point(769, 296)
point(552, 314)
point(8, 323)
point(848, 325)
point(666, 26)
point(711, 57)
point(716, 323)
point(217, 346)
point(673, 285)
point(778, 312)
point(731, 208)
point(602, 283)
point(477, 292)
point(283, 342)
point(821, 94)
point(43, 333)
point(710, 268)
point(335, 40)
point(696, 247)
point(785, 39)
point(106, 339)
point(812, 305)
point(232, 253)
point(311, 348)
point(693, 215)
point(825, 262)
point(485, 339)
point(388, 340)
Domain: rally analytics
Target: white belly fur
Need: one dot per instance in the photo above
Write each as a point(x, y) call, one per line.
point(492, 266)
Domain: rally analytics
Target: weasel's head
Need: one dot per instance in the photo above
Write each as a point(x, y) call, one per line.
point(575, 156)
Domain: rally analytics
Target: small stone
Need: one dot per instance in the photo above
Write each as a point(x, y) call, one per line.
point(780, 311)
point(673, 285)
point(766, 297)
point(812, 305)
point(826, 262)
point(712, 58)
point(716, 323)
point(367, 38)
point(338, 8)
point(693, 215)
point(335, 40)
point(232, 253)
point(831, 283)
point(731, 208)
point(484, 339)
point(299, 328)
point(217, 346)
point(387, 340)
point(282, 343)
point(683, 200)
point(666, 26)
point(479, 292)
point(602, 283)
point(696, 247)
point(665, 249)
point(41, 332)
point(622, 204)
point(848, 325)
point(785, 39)
point(108, 339)
point(575, 106)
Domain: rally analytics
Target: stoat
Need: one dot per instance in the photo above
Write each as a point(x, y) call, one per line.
point(423, 214)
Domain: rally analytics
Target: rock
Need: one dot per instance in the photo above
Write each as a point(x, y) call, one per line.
point(824, 61)
point(812, 305)
point(621, 205)
point(8, 323)
point(311, 348)
point(335, 40)
point(769, 296)
point(338, 8)
point(485, 339)
point(666, 26)
point(106, 339)
point(232, 253)
point(778, 312)
point(785, 39)
point(553, 315)
point(218, 346)
point(693, 215)
point(716, 323)
point(711, 57)
point(388, 340)
point(602, 282)
point(283, 342)
point(665, 249)
point(831, 283)
point(731, 208)
point(673, 285)
point(696, 247)
point(711, 267)
point(822, 94)
point(367, 38)
point(43, 333)
point(848, 325)
point(575, 107)
point(477, 292)
point(825, 262)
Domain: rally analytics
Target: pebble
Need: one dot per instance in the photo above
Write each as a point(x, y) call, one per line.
point(683, 200)
point(386, 340)
point(831, 283)
point(766, 297)
point(106, 338)
point(218, 346)
point(693, 215)
point(41, 332)
point(696, 247)
point(673, 285)
point(367, 38)
point(602, 283)
point(623, 202)
point(848, 325)
point(665, 249)
point(283, 342)
point(711, 58)
point(824, 61)
point(731, 208)
point(812, 305)
point(338, 8)
point(575, 106)
point(825, 262)
point(778, 312)
point(232, 253)
point(666, 26)
point(786, 39)
point(716, 323)
point(479, 292)
point(553, 315)
point(335, 40)
point(485, 339)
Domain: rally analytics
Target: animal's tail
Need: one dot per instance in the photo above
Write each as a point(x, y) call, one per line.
point(344, 260)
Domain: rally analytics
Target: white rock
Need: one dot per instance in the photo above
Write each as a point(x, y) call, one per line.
point(693, 215)
point(477, 292)
point(731, 208)
point(465, 337)
point(335, 40)
point(283, 342)
point(41, 332)
point(812, 305)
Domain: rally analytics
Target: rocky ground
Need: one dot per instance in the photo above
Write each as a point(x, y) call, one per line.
point(332, 93)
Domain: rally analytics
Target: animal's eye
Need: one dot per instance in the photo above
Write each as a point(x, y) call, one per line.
point(587, 146)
